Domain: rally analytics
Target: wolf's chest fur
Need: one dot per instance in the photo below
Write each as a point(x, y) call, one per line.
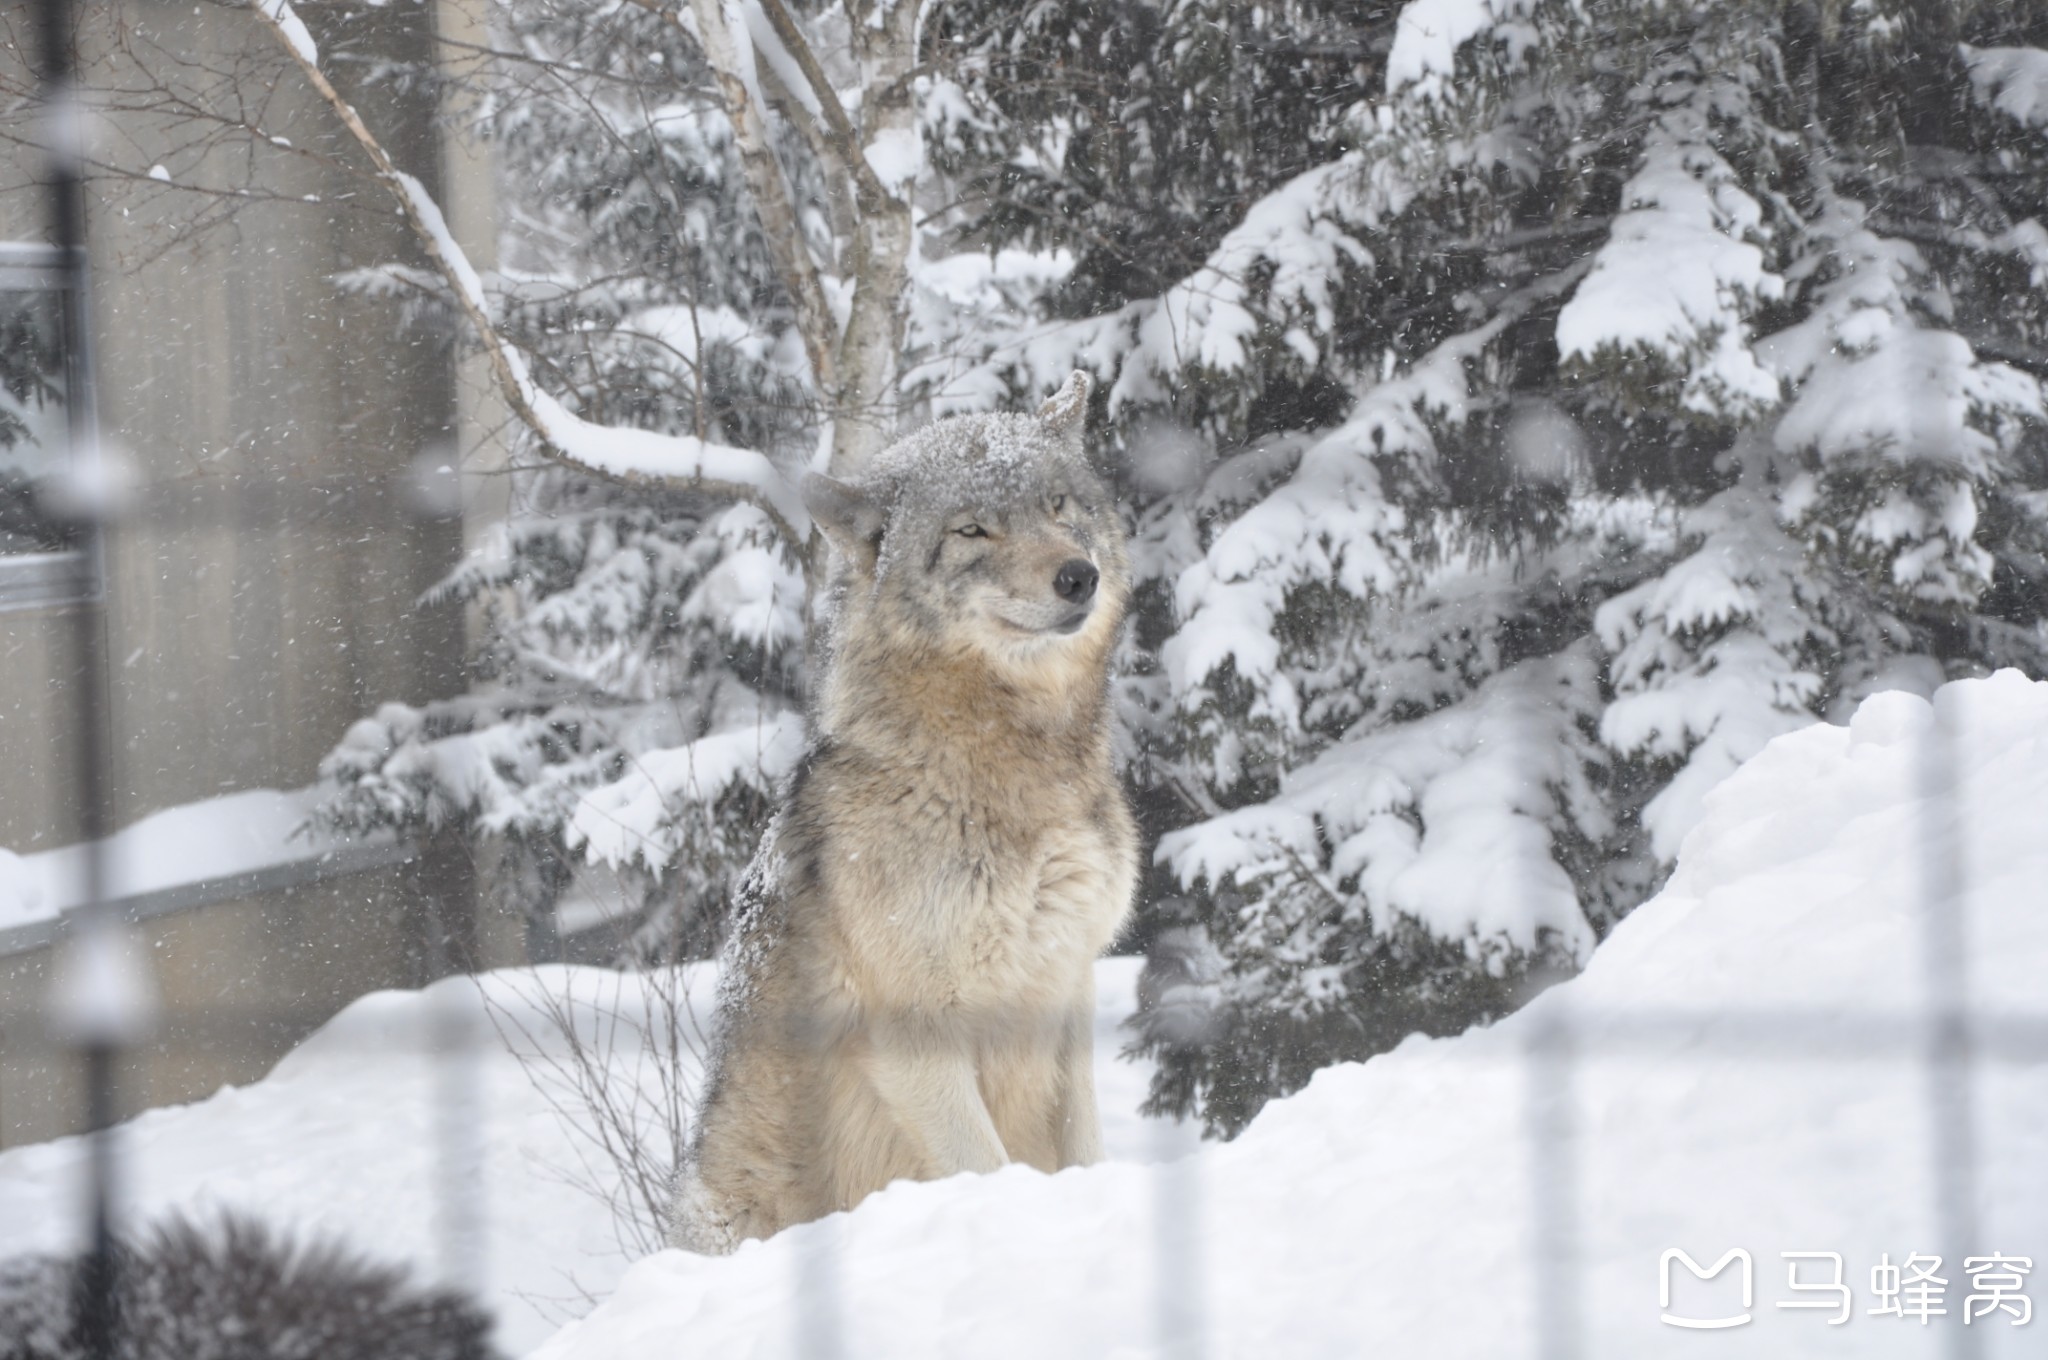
point(990, 884)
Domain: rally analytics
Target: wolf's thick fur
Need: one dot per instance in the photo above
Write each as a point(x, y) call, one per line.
point(910, 989)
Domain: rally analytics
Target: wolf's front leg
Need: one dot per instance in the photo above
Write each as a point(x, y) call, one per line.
point(1079, 1130)
point(923, 1074)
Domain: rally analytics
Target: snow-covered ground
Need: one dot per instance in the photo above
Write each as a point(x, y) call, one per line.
point(408, 1127)
point(1749, 1074)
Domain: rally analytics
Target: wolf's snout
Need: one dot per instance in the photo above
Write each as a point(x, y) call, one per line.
point(1075, 580)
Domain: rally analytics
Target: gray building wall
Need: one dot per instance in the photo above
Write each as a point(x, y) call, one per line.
point(260, 593)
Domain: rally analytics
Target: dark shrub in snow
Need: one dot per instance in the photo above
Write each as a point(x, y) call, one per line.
point(236, 1290)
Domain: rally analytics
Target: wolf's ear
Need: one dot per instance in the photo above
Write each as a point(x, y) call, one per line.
point(848, 515)
point(1066, 411)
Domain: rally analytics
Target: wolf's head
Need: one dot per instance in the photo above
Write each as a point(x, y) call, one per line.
point(984, 532)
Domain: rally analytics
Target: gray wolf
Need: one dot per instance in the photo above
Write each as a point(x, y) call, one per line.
point(236, 1291)
point(909, 987)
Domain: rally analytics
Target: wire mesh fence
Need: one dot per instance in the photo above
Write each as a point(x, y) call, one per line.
point(591, 1055)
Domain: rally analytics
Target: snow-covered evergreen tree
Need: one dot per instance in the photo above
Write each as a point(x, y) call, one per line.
point(1687, 388)
point(636, 695)
point(1524, 409)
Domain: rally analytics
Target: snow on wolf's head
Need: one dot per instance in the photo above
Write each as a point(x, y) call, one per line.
point(987, 533)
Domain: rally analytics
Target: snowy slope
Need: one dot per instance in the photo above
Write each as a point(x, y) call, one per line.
point(1387, 1209)
point(405, 1093)
point(1749, 1076)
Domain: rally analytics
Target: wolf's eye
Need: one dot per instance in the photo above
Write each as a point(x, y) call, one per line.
point(1059, 503)
point(971, 531)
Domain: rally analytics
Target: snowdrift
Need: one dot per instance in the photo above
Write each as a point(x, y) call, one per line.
point(1750, 1075)
point(411, 1129)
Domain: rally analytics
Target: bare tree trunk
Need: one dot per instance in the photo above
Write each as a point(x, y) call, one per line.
point(770, 190)
point(858, 379)
point(880, 256)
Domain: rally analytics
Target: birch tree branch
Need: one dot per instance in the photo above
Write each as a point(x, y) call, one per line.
point(840, 135)
point(879, 254)
point(633, 457)
point(856, 362)
point(795, 112)
point(816, 322)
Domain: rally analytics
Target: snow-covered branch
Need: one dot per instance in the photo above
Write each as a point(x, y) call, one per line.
point(2012, 80)
point(840, 135)
point(634, 457)
point(720, 38)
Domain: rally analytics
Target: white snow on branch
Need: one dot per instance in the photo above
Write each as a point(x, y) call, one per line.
point(752, 596)
point(2012, 80)
point(1208, 320)
point(1445, 820)
point(1429, 34)
point(625, 454)
point(735, 16)
point(769, 48)
point(685, 329)
point(482, 773)
point(1677, 276)
point(428, 213)
point(1710, 659)
point(631, 454)
point(1871, 376)
point(1906, 391)
point(635, 817)
point(1277, 273)
point(896, 155)
point(616, 451)
point(281, 13)
point(957, 301)
point(1329, 523)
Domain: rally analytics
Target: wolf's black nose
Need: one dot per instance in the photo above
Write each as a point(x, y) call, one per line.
point(1075, 580)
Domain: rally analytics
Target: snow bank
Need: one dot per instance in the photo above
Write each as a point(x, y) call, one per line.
point(1750, 1075)
point(405, 1095)
point(212, 839)
point(1388, 1210)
